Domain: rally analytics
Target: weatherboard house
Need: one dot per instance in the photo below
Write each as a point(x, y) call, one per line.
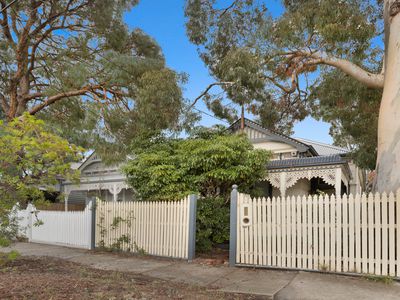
point(298, 167)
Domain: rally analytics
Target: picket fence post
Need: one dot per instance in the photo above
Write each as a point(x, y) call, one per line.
point(93, 208)
point(233, 226)
point(192, 227)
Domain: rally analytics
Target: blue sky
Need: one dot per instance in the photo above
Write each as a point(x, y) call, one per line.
point(165, 22)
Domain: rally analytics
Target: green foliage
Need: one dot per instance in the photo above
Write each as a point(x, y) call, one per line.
point(13, 255)
point(262, 55)
point(117, 245)
point(212, 223)
point(138, 250)
point(31, 160)
point(352, 109)
point(97, 82)
point(379, 278)
point(208, 165)
point(8, 257)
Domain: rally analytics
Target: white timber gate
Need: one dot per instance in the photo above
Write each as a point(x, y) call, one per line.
point(349, 234)
point(65, 228)
point(160, 228)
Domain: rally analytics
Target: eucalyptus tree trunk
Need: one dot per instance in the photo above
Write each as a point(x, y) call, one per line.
point(388, 160)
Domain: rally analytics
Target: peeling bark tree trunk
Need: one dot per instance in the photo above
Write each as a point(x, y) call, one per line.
point(388, 160)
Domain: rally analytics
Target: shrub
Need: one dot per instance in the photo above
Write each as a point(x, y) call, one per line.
point(172, 169)
point(31, 159)
point(8, 257)
point(212, 225)
point(208, 163)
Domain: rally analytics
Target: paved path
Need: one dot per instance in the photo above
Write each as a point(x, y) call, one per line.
point(269, 284)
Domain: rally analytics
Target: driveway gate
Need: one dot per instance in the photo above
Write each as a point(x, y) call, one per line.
point(359, 234)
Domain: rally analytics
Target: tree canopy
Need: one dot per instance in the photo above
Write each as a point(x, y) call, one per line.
point(32, 159)
point(352, 110)
point(76, 64)
point(207, 164)
point(284, 68)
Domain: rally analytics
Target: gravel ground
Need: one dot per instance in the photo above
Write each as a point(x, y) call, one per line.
point(50, 278)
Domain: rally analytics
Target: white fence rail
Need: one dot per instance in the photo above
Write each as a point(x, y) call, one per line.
point(71, 228)
point(356, 234)
point(161, 228)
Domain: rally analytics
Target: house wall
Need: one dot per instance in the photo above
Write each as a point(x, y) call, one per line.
point(96, 166)
point(279, 150)
point(301, 188)
point(77, 197)
point(124, 195)
point(253, 134)
point(128, 194)
point(275, 192)
point(357, 182)
point(106, 195)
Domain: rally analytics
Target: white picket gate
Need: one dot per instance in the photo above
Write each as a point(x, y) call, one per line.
point(161, 228)
point(354, 234)
point(66, 228)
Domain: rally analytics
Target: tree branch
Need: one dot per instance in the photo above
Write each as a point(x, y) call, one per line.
point(52, 99)
point(225, 10)
point(4, 23)
point(209, 88)
point(369, 79)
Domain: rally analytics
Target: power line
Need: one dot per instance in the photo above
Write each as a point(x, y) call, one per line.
point(210, 115)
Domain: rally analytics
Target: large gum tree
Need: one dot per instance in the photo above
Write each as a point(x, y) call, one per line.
point(275, 63)
point(76, 64)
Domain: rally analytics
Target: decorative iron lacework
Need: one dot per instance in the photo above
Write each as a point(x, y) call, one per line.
point(274, 179)
point(328, 175)
point(113, 188)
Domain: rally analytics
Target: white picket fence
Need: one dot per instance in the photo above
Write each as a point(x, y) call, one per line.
point(66, 228)
point(158, 228)
point(355, 234)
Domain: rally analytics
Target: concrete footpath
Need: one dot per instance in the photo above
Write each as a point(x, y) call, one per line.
point(269, 284)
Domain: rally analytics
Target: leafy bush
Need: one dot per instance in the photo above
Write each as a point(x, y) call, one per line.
point(7, 257)
point(209, 166)
point(212, 225)
point(31, 159)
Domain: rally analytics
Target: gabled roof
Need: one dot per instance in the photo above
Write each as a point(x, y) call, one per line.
point(324, 149)
point(274, 136)
point(89, 160)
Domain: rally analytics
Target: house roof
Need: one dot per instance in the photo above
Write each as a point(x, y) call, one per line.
point(324, 149)
point(90, 159)
point(274, 136)
point(306, 162)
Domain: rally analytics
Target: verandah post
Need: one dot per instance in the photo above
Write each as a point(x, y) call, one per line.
point(192, 227)
point(233, 226)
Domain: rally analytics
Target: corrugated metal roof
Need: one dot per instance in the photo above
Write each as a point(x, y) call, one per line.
point(306, 161)
point(324, 149)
